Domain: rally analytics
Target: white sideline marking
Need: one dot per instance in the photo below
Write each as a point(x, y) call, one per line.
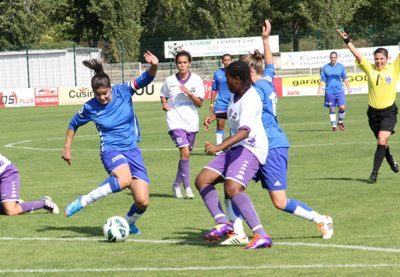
point(193, 268)
point(18, 145)
point(351, 247)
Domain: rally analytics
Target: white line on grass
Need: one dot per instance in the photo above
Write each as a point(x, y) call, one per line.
point(196, 268)
point(351, 247)
point(18, 145)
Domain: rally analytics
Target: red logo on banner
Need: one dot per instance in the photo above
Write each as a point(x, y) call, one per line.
point(207, 89)
point(46, 97)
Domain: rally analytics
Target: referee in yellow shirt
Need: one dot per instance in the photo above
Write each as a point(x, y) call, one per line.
point(382, 110)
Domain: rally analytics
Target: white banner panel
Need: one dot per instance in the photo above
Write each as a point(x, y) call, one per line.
point(316, 59)
point(24, 97)
point(218, 47)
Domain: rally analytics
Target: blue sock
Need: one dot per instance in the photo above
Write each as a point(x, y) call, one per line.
point(135, 210)
point(292, 204)
point(112, 181)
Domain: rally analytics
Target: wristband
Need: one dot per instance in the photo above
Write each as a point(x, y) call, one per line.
point(346, 40)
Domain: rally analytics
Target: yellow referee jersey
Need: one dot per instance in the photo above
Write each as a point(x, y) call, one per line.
point(381, 84)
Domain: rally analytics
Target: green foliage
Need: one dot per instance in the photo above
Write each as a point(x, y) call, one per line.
point(21, 23)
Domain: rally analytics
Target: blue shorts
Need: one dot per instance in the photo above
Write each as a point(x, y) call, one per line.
point(220, 109)
point(333, 100)
point(113, 158)
point(273, 174)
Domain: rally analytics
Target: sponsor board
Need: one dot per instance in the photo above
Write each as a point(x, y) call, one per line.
point(74, 95)
point(17, 98)
point(46, 96)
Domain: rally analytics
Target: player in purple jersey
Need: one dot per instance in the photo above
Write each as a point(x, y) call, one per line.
point(181, 96)
point(112, 111)
point(273, 174)
point(246, 149)
point(332, 76)
point(9, 190)
point(220, 101)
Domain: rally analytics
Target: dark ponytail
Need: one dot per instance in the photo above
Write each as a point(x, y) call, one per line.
point(100, 79)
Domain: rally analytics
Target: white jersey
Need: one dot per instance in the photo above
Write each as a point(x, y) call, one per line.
point(184, 113)
point(4, 162)
point(246, 113)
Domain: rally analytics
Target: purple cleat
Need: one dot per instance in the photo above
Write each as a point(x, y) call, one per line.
point(259, 241)
point(218, 232)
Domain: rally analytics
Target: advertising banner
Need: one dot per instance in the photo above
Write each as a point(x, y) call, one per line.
point(74, 95)
point(46, 96)
point(218, 47)
point(17, 98)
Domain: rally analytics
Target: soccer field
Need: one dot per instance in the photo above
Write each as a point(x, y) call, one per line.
point(327, 170)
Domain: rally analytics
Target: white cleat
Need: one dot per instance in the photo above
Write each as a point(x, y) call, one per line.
point(50, 205)
point(326, 227)
point(235, 239)
point(177, 192)
point(189, 193)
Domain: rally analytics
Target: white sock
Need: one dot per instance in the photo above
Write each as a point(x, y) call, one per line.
point(332, 116)
point(236, 221)
point(133, 218)
point(219, 137)
point(96, 194)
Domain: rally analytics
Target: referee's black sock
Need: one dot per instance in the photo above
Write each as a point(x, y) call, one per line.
point(379, 155)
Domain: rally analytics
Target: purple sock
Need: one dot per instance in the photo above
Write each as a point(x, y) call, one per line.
point(31, 206)
point(178, 178)
point(185, 166)
point(246, 208)
point(211, 200)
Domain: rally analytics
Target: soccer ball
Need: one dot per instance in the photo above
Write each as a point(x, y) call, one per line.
point(116, 229)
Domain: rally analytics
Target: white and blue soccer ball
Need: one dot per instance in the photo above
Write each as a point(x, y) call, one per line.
point(116, 229)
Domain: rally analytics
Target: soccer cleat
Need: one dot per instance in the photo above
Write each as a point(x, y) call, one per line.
point(73, 207)
point(341, 126)
point(133, 229)
point(189, 193)
point(392, 163)
point(373, 177)
point(259, 241)
point(50, 205)
point(177, 192)
point(235, 239)
point(326, 227)
point(334, 129)
point(218, 232)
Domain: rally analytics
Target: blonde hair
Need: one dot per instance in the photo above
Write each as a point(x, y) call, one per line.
point(255, 61)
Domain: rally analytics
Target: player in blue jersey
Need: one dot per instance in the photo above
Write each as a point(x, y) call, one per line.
point(333, 75)
point(112, 111)
point(220, 96)
point(273, 174)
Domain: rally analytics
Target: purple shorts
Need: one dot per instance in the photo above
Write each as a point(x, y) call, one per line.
point(332, 100)
point(112, 159)
point(273, 174)
point(182, 138)
point(237, 164)
point(9, 184)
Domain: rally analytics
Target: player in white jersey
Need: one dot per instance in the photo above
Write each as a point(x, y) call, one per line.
point(9, 191)
point(181, 96)
point(247, 149)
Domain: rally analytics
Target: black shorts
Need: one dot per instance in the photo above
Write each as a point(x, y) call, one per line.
point(382, 119)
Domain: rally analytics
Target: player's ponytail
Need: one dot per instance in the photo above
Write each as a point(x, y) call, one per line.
point(255, 61)
point(100, 79)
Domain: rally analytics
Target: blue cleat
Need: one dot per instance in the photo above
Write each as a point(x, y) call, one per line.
point(133, 229)
point(73, 207)
point(218, 232)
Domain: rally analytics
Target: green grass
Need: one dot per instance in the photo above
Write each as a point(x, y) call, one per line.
point(327, 170)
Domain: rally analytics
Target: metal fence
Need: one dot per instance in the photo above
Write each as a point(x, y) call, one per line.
point(55, 68)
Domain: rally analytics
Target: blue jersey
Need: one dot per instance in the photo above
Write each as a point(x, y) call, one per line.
point(115, 121)
point(333, 77)
point(219, 84)
point(265, 88)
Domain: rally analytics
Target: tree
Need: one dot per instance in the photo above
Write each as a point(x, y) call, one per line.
point(21, 23)
point(324, 16)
